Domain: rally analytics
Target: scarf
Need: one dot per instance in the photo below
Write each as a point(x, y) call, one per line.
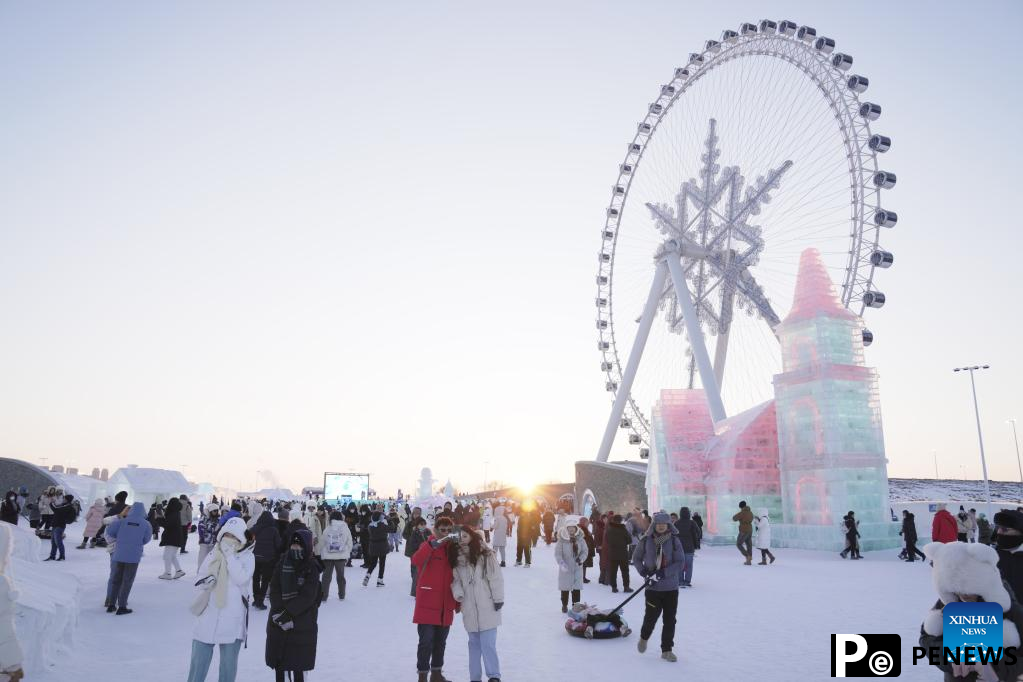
point(291, 579)
point(659, 541)
point(217, 567)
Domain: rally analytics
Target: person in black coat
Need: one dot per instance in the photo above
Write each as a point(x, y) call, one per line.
point(908, 534)
point(10, 509)
point(291, 629)
point(172, 539)
point(267, 551)
point(365, 515)
point(1009, 545)
point(591, 546)
point(617, 537)
point(379, 548)
point(689, 535)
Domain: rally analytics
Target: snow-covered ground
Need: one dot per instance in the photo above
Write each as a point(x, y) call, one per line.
point(737, 623)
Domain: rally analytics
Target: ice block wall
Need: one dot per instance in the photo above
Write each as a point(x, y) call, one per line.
point(830, 440)
point(682, 433)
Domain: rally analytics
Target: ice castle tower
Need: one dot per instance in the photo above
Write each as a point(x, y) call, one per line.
point(830, 441)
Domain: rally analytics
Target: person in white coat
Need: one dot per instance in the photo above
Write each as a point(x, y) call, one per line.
point(763, 542)
point(222, 603)
point(478, 586)
point(312, 522)
point(500, 539)
point(335, 545)
point(10, 649)
point(570, 552)
point(487, 522)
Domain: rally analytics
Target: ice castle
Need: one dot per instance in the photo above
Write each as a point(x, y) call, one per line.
point(809, 456)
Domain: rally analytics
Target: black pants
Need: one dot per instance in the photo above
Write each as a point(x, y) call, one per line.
point(663, 605)
point(576, 597)
point(261, 580)
point(912, 552)
point(613, 568)
point(523, 546)
point(432, 641)
point(375, 561)
point(415, 578)
point(289, 675)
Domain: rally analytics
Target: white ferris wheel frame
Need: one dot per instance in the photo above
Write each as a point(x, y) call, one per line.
point(815, 57)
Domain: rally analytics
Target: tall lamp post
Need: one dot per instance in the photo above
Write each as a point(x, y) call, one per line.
point(1016, 439)
point(980, 437)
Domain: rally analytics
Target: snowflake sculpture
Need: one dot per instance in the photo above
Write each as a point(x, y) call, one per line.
point(718, 243)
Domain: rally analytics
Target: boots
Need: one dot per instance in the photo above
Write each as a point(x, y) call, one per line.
point(424, 677)
point(669, 656)
point(749, 560)
point(81, 546)
point(437, 676)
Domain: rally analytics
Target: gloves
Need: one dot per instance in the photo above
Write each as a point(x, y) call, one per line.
point(660, 574)
point(498, 605)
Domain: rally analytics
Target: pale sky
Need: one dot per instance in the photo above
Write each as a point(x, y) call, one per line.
point(250, 236)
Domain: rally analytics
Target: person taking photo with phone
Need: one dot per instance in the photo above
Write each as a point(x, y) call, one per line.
point(435, 603)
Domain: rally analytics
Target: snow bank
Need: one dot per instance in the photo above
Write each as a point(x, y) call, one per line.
point(47, 605)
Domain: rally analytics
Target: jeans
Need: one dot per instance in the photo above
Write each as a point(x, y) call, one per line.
point(662, 605)
point(394, 540)
point(687, 568)
point(483, 644)
point(744, 541)
point(170, 559)
point(57, 542)
point(523, 546)
point(432, 641)
point(261, 580)
point(501, 551)
point(122, 579)
point(415, 579)
point(330, 566)
point(202, 656)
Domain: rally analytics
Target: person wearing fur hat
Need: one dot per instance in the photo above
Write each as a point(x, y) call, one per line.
point(291, 629)
point(968, 572)
point(570, 554)
point(764, 537)
point(1009, 545)
point(659, 558)
point(209, 526)
point(222, 603)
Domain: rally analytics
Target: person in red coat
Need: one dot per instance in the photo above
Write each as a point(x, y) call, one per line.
point(435, 603)
point(943, 528)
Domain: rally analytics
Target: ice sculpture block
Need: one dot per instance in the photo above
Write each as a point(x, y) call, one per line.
point(809, 456)
point(830, 441)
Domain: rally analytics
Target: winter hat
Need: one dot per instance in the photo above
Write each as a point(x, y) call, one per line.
point(1009, 518)
point(295, 515)
point(661, 517)
point(210, 508)
point(967, 568)
point(233, 526)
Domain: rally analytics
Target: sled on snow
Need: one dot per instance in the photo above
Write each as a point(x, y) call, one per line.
point(590, 622)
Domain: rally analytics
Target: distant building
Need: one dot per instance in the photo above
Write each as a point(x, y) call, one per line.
point(147, 485)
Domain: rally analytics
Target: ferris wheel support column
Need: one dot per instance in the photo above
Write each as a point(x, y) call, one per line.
point(696, 340)
point(646, 321)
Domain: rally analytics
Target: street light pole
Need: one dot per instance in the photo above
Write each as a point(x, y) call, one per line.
point(980, 436)
point(1016, 439)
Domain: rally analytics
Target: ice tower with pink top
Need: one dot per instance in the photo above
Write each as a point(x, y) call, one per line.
point(808, 457)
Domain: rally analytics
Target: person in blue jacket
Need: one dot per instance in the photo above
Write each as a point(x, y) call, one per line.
point(659, 558)
point(131, 534)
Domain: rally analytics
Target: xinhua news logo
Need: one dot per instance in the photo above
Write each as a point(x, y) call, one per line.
point(866, 655)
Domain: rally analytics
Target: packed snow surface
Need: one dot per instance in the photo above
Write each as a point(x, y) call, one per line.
point(736, 623)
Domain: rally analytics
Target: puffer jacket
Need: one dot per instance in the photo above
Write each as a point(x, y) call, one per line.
point(336, 541)
point(618, 540)
point(94, 518)
point(763, 531)
point(378, 530)
point(477, 587)
point(666, 575)
point(267, 538)
point(224, 625)
point(570, 552)
point(435, 603)
point(745, 519)
point(500, 536)
point(127, 535)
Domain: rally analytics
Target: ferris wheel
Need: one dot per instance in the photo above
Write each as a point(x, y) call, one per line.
point(757, 149)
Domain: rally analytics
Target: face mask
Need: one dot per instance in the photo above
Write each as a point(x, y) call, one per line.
point(1009, 541)
point(295, 554)
point(230, 543)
